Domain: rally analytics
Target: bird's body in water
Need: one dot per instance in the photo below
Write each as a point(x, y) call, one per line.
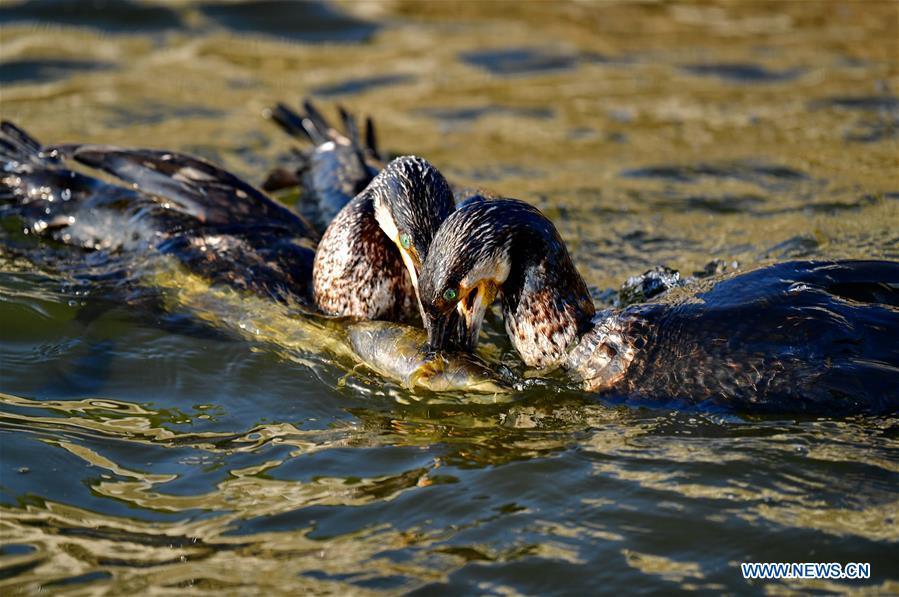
point(793, 337)
point(224, 228)
point(215, 225)
point(166, 203)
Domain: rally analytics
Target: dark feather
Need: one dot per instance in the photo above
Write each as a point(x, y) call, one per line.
point(792, 337)
point(289, 121)
point(349, 126)
point(263, 262)
point(193, 186)
point(335, 170)
point(315, 124)
point(173, 203)
point(371, 140)
point(17, 146)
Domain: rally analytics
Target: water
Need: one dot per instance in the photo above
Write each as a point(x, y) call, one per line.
point(144, 450)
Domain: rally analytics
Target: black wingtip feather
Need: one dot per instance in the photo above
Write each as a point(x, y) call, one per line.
point(371, 140)
point(309, 123)
point(289, 121)
point(316, 124)
point(18, 146)
point(349, 125)
point(13, 132)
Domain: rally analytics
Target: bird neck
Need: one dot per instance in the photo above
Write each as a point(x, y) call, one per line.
point(546, 304)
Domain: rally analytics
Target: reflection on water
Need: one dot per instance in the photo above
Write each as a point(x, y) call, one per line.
point(19, 71)
point(114, 16)
point(140, 449)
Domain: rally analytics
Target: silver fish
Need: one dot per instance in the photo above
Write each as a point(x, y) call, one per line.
point(399, 352)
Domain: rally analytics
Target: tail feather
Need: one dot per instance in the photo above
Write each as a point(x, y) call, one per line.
point(371, 140)
point(289, 121)
point(342, 162)
point(315, 124)
point(309, 123)
point(349, 126)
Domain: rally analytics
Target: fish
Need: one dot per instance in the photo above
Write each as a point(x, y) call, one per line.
point(399, 352)
point(394, 351)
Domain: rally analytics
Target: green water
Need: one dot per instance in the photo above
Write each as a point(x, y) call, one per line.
point(142, 450)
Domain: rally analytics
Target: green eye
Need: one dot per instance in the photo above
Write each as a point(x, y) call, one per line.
point(405, 241)
point(449, 294)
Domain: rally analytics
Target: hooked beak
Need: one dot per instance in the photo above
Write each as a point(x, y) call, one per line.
point(446, 332)
point(472, 309)
point(438, 331)
point(413, 265)
point(411, 259)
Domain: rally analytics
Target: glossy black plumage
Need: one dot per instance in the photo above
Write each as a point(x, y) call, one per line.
point(214, 223)
point(806, 336)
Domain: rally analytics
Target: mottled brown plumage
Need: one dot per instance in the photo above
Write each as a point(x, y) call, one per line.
point(358, 271)
point(509, 245)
